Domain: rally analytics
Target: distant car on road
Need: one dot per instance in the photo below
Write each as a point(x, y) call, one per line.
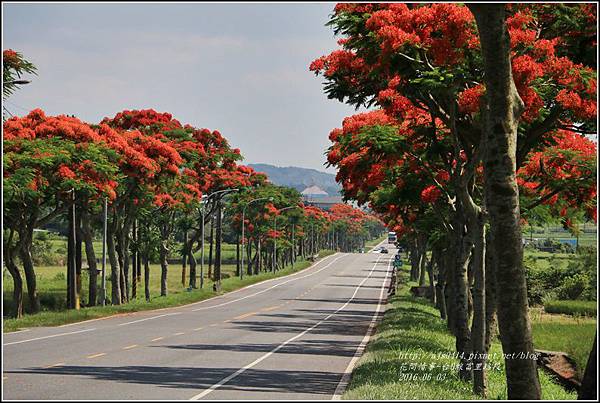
point(383, 250)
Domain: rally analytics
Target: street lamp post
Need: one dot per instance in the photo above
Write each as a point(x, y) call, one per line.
point(243, 225)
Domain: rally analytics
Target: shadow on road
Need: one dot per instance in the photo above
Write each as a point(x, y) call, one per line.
point(311, 347)
point(198, 379)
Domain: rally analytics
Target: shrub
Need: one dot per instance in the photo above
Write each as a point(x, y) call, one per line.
point(573, 287)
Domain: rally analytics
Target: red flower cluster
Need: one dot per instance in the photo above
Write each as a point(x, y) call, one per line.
point(430, 194)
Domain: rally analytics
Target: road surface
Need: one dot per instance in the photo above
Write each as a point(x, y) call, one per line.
point(294, 337)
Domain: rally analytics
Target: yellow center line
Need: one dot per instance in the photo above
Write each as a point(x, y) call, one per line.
point(158, 338)
point(213, 325)
point(245, 315)
point(96, 355)
point(58, 364)
point(178, 334)
point(270, 308)
point(198, 328)
point(130, 347)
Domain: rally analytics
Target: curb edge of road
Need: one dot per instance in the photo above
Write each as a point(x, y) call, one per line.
point(177, 306)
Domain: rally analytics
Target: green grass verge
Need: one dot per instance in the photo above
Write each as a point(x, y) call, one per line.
point(574, 308)
point(374, 242)
point(572, 335)
point(179, 297)
point(412, 327)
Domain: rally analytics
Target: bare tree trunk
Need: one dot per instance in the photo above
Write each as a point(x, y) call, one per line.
point(587, 391)
point(461, 300)
point(431, 279)
point(90, 255)
point(146, 278)
point(504, 107)
point(78, 253)
point(134, 261)
point(9, 252)
point(164, 267)
point(25, 241)
point(210, 248)
point(478, 325)
point(440, 286)
point(115, 269)
point(183, 259)
point(490, 292)
point(422, 263)
point(219, 229)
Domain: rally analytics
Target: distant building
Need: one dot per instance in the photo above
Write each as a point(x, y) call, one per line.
point(313, 192)
point(324, 203)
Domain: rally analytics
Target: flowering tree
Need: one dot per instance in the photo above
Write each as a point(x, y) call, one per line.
point(400, 57)
point(45, 158)
point(14, 66)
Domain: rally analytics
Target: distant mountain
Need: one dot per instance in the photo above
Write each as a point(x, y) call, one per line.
point(299, 178)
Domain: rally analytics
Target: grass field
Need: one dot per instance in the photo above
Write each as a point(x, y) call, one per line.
point(411, 333)
point(52, 289)
point(370, 244)
point(572, 335)
point(573, 308)
point(587, 237)
point(228, 251)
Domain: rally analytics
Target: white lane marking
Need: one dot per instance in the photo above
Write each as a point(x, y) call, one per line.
point(47, 337)
point(279, 347)
point(337, 395)
point(260, 282)
point(145, 319)
point(270, 288)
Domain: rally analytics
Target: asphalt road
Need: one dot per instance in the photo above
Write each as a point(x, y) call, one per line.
point(294, 337)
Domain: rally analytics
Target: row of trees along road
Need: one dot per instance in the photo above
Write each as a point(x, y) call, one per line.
point(152, 172)
point(472, 132)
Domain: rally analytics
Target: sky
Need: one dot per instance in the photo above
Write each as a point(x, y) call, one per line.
point(239, 68)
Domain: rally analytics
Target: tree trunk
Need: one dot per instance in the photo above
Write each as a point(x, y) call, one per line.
point(587, 391)
point(478, 325)
point(504, 106)
point(135, 256)
point(210, 247)
point(490, 293)
point(183, 259)
point(440, 286)
point(78, 254)
point(238, 268)
point(422, 264)
point(25, 241)
point(218, 234)
point(461, 303)
point(115, 270)
point(9, 252)
point(146, 279)
point(90, 255)
point(431, 279)
point(164, 267)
